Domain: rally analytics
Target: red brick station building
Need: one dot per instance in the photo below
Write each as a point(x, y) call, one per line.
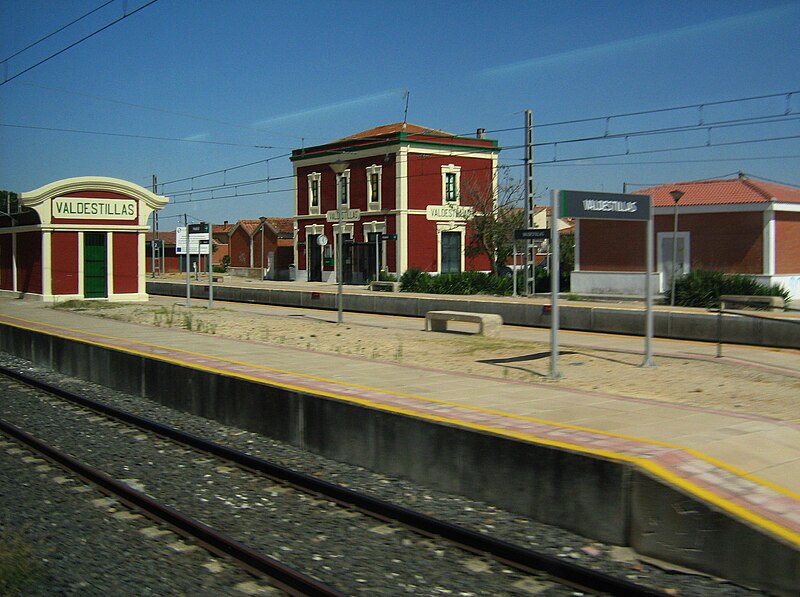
point(78, 238)
point(399, 180)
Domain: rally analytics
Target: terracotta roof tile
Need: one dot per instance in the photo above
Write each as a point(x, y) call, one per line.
point(282, 225)
point(397, 127)
point(722, 192)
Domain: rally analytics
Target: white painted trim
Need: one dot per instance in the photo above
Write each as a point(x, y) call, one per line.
point(110, 264)
point(141, 286)
point(374, 205)
point(148, 201)
point(314, 176)
point(465, 153)
point(343, 202)
point(401, 198)
point(47, 264)
point(461, 228)
point(455, 170)
point(768, 240)
point(394, 149)
point(81, 264)
point(726, 208)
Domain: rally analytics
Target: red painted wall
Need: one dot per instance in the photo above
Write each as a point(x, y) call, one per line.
point(6, 262)
point(29, 262)
point(612, 246)
point(787, 243)
point(126, 262)
point(64, 255)
point(425, 177)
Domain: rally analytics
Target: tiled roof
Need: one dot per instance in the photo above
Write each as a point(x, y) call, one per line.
point(722, 192)
point(250, 226)
point(167, 237)
point(397, 127)
point(282, 225)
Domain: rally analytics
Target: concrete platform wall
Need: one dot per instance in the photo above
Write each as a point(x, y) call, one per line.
point(600, 498)
point(735, 329)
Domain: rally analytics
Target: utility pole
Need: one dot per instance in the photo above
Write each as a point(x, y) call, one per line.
point(155, 254)
point(530, 252)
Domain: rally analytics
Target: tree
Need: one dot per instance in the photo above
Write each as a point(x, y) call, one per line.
point(9, 202)
point(497, 215)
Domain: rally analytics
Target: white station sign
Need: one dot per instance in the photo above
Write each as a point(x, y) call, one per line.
point(449, 212)
point(93, 208)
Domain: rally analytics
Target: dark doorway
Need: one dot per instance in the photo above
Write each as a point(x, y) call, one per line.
point(95, 277)
point(451, 252)
point(359, 263)
point(314, 258)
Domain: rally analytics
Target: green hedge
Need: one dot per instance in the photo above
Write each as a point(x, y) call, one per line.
point(415, 280)
point(703, 288)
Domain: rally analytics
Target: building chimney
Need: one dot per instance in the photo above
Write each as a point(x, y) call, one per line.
point(480, 133)
point(225, 223)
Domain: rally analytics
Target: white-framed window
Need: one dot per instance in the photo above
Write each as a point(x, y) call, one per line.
point(314, 192)
point(343, 188)
point(451, 184)
point(374, 179)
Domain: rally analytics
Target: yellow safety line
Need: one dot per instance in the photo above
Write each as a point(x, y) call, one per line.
point(653, 467)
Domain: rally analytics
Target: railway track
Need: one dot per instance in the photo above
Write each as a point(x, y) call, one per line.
point(525, 560)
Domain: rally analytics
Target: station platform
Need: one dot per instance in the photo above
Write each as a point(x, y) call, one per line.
point(747, 467)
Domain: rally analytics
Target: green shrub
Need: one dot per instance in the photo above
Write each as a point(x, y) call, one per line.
point(702, 288)
point(465, 283)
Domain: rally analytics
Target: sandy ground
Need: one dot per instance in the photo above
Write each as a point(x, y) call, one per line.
point(713, 384)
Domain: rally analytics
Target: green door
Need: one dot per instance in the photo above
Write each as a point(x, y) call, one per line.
point(94, 265)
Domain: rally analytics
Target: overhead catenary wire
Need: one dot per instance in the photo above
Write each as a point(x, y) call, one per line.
point(59, 30)
point(72, 45)
point(132, 136)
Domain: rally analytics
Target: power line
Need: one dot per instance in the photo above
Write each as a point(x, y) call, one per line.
point(131, 136)
point(228, 169)
point(59, 30)
point(72, 45)
point(787, 94)
point(162, 110)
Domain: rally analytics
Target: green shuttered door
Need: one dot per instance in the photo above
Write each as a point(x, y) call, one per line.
point(94, 265)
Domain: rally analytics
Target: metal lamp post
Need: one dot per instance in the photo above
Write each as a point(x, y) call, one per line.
point(339, 168)
point(676, 196)
point(263, 268)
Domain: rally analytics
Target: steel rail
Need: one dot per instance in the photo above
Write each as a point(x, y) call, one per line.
point(284, 577)
point(514, 555)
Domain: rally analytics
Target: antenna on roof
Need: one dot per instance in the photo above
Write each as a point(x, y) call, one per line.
point(741, 174)
point(405, 112)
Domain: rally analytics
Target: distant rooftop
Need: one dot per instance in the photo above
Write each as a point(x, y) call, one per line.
point(740, 190)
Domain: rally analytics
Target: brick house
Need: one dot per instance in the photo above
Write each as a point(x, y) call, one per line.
point(254, 245)
point(738, 225)
point(397, 179)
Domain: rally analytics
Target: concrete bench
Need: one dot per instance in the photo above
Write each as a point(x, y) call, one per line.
point(731, 301)
point(385, 285)
point(489, 323)
point(217, 279)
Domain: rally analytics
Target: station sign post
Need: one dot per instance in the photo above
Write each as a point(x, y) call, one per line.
point(600, 206)
point(195, 239)
point(527, 234)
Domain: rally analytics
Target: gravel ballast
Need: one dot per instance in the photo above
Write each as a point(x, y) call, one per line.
point(240, 494)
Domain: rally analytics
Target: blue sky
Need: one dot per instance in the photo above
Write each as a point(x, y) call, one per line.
point(189, 87)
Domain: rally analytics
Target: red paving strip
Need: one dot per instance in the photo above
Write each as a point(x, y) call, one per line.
point(768, 507)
